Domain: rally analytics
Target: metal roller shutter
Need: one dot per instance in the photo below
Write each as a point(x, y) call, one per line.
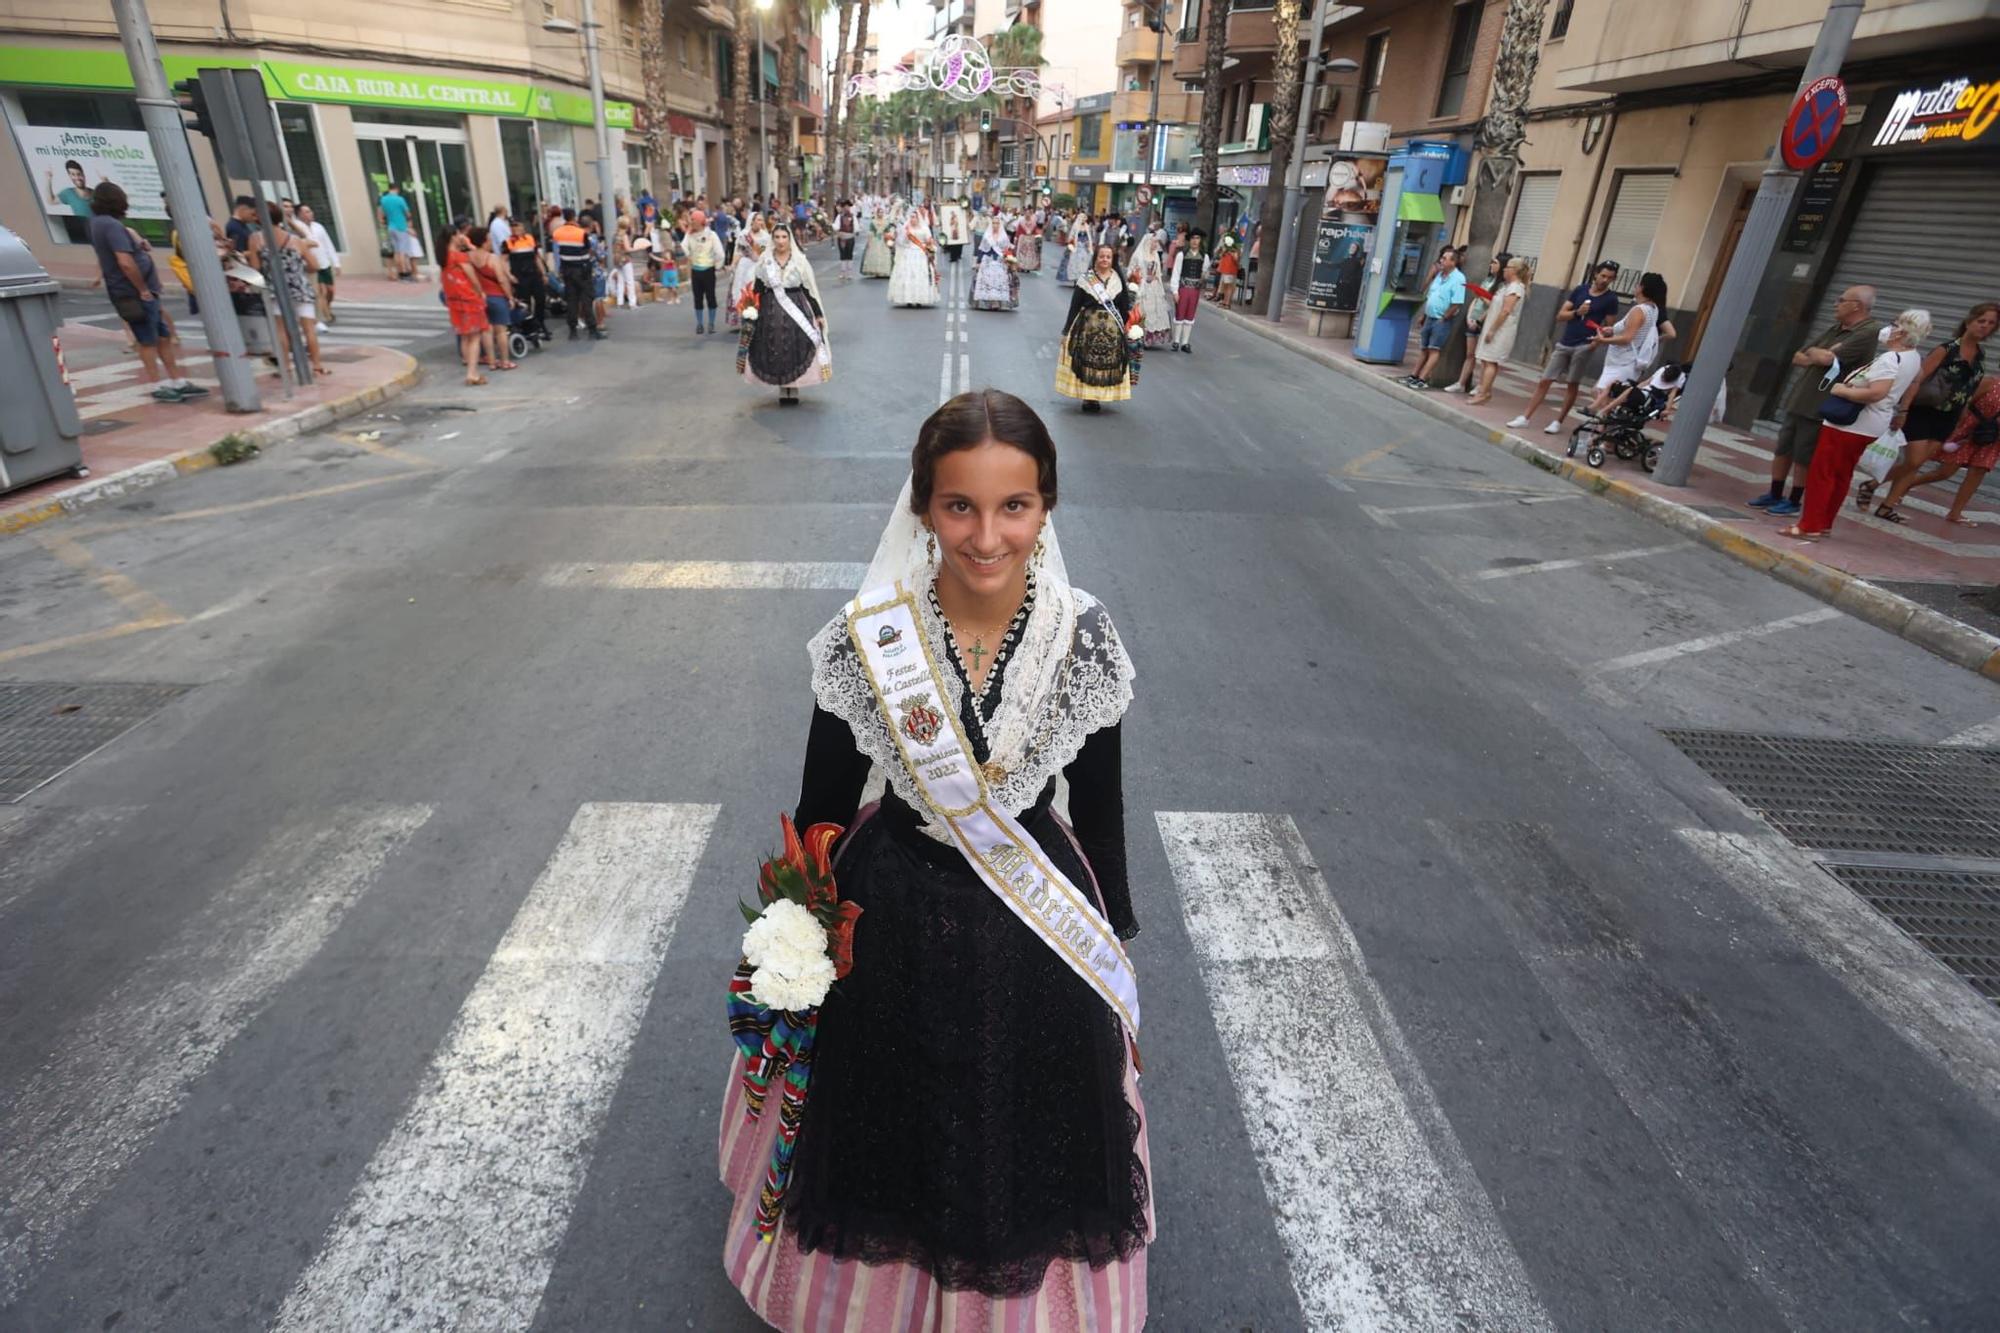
point(1924, 238)
point(1534, 203)
point(1635, 217)
point(1302, 257)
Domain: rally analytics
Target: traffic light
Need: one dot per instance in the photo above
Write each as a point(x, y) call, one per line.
point(985, 122)
point(194, 109)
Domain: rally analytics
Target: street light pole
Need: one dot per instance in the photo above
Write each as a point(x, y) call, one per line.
point(1158, 9)
point(763, 96)
point(1746, 267)
point(606, 182)
point(1288, 234)
point(168, 138)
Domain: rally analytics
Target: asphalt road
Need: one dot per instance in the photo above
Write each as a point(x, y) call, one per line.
point(376, 981)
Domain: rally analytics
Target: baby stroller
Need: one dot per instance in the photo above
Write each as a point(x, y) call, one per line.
point(1622, 429)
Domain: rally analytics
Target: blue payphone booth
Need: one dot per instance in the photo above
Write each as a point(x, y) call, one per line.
point(1412, 216)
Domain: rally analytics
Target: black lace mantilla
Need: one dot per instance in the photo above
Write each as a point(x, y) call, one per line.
point(968, 1112)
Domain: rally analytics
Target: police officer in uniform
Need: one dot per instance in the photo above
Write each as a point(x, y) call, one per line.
point(571, 245)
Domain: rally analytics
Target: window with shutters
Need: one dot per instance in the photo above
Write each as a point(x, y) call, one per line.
point(1534, 203)
point(1458, 58)
point(1629, 227)
point(1560, 28)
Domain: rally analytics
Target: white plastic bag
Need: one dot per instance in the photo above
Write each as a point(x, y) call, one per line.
point(1879, 457)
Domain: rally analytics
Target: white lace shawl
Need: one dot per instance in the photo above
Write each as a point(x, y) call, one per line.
point(1057, 689)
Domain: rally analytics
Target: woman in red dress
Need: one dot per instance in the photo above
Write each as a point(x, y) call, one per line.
point(463, 298)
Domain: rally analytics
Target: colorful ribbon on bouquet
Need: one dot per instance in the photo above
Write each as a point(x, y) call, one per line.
point(775, 1045)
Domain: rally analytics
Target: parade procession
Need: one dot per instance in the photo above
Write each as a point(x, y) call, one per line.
point(621, 710)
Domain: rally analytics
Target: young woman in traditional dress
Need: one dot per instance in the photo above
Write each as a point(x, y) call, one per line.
point(876, 260)
point(1076, 261)
point(784, 326)
point(1028, 244)
point(1097, 359)
point(972, 1151)
point(1149, 285)
point(996, 282)
point(913, 282)
point(1190, 267)
point(754, 244)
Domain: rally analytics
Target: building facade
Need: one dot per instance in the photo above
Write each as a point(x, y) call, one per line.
point(1651, 126)
point(466, 104)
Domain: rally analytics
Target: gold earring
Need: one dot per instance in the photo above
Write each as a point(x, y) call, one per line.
point(930, 548)
point(1041, 548)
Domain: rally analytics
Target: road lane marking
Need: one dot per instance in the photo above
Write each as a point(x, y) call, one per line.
point(1984, 735)
point(944, 380)
point(250, 506)
point(1608, 558)
point(1921, 1000)
point(125, 1068)
point(964, 372)
point(141, 605)
point(1667, 652)
point(1387, 516)
point(459, 1214)
point(1383, 1222)
point(707, 575)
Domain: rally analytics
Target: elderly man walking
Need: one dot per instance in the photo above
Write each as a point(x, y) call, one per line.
point(1847, 344)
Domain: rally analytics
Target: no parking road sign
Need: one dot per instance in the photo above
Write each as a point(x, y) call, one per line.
point(1814, 123)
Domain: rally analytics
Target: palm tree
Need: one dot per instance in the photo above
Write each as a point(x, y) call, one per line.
point(739, 101)
point(860, 54)
point(805, 15)
point(836, 98)
point(1215, 34)
point(1284, 125)
point(1017, 47)
point(653, 74)
point(1504, 127)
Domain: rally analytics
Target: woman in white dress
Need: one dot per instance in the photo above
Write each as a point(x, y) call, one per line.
point(1502, 325)
point(1149, 284)
point(996, 282)
point(876, 260)
point(914, 279)
point(754, 244)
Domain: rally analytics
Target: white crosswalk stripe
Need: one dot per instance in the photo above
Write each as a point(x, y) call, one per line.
point(39, 845)
point(356, 325)
point(124, 1070)
point(1383, 1222)
point(458, 1217)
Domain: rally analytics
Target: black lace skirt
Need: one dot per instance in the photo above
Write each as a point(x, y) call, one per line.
point(781, 352)
point(967, 1111)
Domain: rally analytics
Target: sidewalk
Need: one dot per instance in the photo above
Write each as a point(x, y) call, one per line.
point(131, 442)
point(1932, 571)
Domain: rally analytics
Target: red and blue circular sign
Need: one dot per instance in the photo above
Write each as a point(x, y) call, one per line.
point(1814, 123)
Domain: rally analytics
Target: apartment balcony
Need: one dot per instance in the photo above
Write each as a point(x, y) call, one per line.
point(715, 13)
point(1140, 46)
point(1176, 108)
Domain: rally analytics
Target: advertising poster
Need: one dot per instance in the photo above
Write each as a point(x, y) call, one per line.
point(559, 177)
point(1340, 260)
point(67, 164)
point(1354, 185)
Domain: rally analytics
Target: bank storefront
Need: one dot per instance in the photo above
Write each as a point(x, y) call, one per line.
point(455, 144)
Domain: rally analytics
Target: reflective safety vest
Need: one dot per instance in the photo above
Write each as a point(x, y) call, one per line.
point(571, 243)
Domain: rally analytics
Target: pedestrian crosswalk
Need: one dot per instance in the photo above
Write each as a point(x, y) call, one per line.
point(356, 324)
point(457, 1208)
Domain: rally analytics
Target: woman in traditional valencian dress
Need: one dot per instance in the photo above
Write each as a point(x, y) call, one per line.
point(1149, 285)
point(784, 325)
point(996, 282)
point(914, 279)
point(876, 261)
point(751, 248)
point(1097, 359)
point(1028, 244)
point(972, 1149)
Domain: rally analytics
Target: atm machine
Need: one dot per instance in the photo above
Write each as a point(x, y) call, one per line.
point(1406, 234)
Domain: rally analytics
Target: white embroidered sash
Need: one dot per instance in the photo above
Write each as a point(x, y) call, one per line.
point(883, 624)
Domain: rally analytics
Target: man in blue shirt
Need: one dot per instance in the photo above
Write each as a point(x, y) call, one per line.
point(1588, 309)
point(125, 262)
point(723, 224)
point(1443, 299)
point(394, 211)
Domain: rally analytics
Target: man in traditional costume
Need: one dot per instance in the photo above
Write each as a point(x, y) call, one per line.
point(1189, 271)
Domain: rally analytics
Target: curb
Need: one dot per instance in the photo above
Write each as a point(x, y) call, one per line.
point(118, 485)
point(1933, 631)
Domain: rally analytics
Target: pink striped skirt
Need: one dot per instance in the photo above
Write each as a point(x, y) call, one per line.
point(814, 1293)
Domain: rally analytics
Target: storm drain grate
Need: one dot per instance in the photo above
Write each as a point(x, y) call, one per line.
point(1956, 916)
point(48, 726)
point(1869, 796)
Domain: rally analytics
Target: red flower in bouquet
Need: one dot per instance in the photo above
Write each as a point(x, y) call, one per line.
point(802, 873)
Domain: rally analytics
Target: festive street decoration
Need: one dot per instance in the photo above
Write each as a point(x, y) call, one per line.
point(959, 68)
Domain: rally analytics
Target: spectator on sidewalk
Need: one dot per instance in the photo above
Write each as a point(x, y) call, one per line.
point(499, 230)
point(1479, 300)
point(125, 261)
point(242, 224)
point(1443, 299)
point(1931, 409)
point(462, 297)
point(1500, 327)
point(394, 212)
point(1847, 343)
point(1877, 388)
point(1632, 345)
point(496, 284)
point(327, 256)
point(1972, 443)
point(1588, 309)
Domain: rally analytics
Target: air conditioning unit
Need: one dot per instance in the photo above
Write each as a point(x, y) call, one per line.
point(1364, 136)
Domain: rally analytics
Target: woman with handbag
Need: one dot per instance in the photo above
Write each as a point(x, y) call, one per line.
point(1973, 443)
point(1932, 407)
point(1856, 412)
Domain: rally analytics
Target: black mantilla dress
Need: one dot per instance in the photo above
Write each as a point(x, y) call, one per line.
point(973, 1135)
